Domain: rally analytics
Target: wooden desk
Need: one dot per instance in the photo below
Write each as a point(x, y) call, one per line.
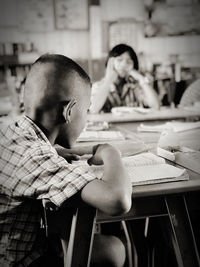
point(162, 114)
point(165, 199)
point(175, 207)
point(169, 200)
point(158, 200)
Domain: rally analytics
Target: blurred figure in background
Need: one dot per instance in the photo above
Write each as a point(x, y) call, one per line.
point(123, 84)
point(191, 94)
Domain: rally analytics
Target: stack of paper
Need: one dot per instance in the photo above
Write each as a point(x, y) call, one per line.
point(128, 110)
point(184, 156)
point(174, 125)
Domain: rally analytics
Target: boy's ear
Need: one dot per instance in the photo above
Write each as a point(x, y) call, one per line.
point(67, 110)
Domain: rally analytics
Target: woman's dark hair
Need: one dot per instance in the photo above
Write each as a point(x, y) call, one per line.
point(118, 50)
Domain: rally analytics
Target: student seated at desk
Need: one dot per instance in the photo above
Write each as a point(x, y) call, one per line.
point(122, 84)
point(191, 94)
point(57, 94)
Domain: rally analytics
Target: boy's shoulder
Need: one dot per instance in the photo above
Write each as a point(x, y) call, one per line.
point(23, 136)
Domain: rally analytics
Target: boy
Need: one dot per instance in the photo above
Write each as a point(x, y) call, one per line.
point(57, 96)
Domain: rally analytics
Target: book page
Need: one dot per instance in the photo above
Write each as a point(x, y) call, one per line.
point(145, 168)
point(144, 159)
point(162, 172)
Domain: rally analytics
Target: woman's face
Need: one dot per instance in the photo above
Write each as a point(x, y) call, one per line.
point(123, 64)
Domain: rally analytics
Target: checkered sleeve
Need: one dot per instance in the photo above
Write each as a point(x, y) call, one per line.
point(44, 174)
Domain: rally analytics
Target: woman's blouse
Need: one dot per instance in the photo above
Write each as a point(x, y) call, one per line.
point(125, 92)
point(191, 94)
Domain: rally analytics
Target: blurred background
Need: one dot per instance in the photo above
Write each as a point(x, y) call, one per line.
point(164, 33)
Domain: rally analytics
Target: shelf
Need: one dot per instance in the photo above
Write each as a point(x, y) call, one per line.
point(9, 60)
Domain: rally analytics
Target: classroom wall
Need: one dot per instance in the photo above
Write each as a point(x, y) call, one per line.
point(157, 48)
point(64, 42)
point(103, 32)
point(22, 26)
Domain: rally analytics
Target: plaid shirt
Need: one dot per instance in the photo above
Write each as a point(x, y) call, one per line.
point(31, 170)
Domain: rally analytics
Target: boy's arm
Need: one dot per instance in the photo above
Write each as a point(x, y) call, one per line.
point(113, 193)
point(73, 154)
point(77, 150)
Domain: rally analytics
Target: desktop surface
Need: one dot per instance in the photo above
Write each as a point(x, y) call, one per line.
point(162, 114)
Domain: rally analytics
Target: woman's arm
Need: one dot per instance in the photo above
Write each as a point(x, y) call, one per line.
point(150, 95)
point(100, 90)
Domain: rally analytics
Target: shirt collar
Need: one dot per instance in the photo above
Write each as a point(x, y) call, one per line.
point(30, 125)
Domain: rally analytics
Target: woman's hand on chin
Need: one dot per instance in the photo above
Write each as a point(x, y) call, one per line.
point(111, 74)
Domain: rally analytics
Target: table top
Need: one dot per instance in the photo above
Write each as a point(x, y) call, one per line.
point(151, 139)
point(193, 184)
point(162, 114)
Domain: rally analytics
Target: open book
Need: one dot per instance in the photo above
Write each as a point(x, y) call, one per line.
point(146, 168)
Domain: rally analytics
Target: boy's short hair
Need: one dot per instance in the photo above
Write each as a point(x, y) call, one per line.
point(62, 61)
point(44, 83)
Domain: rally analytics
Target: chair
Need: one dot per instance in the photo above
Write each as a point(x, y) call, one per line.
point(77, 241)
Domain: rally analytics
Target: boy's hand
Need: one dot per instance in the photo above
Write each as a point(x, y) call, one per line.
point(71, 157)
point(98, 151)
point(65, 153)
point(48, 205)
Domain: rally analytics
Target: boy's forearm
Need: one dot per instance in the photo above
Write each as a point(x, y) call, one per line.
point(113, 193)
point(117, 182)
point(116, 175)
point(113, 168)
point(107, 197)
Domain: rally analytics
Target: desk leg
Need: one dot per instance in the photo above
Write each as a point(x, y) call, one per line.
point(185, 244)
point(81, 238)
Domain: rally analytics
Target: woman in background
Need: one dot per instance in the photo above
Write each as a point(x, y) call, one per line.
point(191, 94)
point(122, 84)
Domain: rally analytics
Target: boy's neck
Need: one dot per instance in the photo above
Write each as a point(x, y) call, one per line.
point(51, 134)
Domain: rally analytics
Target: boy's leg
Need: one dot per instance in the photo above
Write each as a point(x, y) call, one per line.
point(108, 251)
point(48, 260)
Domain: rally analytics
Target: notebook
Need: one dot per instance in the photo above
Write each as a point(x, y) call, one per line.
point(145, 168)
